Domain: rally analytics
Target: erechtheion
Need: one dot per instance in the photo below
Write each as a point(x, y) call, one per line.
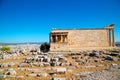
point(77, 39)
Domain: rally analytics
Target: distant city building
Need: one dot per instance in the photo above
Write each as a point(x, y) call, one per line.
point(77, 39)
point(24, 47)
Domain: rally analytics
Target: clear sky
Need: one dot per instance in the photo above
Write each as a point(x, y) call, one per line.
point(32, 20)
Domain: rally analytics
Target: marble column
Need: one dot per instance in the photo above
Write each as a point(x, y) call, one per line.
point(51, 39)
point(113, 42)
point(109, 37)
point(65, 38)
point(61, 38)
point(56, 38)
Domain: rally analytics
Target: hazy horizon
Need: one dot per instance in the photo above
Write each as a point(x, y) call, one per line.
point(32, 20)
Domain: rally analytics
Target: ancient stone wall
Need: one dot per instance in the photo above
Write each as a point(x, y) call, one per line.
point(77, 39)
point(88, 38)
point(59, 47)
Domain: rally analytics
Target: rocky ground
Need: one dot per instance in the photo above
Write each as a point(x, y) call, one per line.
point(113, 73)
point(84, 65)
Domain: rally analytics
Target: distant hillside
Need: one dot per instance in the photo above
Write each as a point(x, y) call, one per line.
point(117, 44)
point(21, 43)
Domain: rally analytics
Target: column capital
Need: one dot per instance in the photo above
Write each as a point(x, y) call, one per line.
point(110, 26)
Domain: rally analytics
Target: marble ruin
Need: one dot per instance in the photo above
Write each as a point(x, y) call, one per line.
point(77, 39)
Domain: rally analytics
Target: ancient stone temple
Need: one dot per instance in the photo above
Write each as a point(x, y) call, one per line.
point(77, 39)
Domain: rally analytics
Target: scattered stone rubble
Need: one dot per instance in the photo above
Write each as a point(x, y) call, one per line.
point(6, 55)
point(10, 71)
point(52, 65)
point(112, 73)
point(59, 78)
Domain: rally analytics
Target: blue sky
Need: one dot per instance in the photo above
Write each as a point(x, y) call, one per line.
point(32, 20)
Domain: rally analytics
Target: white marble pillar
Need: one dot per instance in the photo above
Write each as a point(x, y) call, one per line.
point(65, 38)
point(113, 42)
point(61, 38)
point(51, 39)
point(109, 37)
point(56, 38)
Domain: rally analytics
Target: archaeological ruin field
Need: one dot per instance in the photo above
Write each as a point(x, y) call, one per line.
point(83, 65)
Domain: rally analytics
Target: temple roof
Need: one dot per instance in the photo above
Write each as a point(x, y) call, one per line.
point(80, 29)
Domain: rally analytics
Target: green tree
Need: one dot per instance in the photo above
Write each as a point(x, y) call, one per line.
point(45, 47)
point(5, 48)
